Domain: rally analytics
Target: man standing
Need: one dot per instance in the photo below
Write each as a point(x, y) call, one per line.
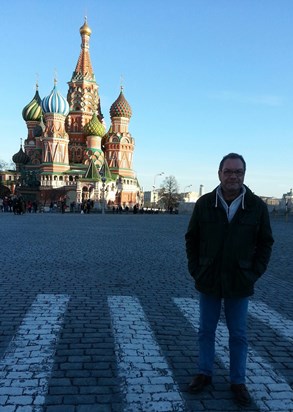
point(228, 245)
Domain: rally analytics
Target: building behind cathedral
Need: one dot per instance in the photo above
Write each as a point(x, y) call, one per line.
point(68, 153)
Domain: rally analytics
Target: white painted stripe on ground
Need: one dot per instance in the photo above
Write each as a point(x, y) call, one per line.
point(269, 390)
point(147, 381)
point(262, 312)
point(27, 363)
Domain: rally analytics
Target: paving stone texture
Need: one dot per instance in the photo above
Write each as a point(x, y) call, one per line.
point(63, 344)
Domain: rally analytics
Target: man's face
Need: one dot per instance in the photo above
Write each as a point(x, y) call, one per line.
point(232, 176)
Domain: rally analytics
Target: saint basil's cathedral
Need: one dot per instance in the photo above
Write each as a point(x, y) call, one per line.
point(68, 150)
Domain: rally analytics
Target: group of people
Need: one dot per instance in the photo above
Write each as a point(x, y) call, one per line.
point(6, 204)
point(87, 206)
point(18, 205)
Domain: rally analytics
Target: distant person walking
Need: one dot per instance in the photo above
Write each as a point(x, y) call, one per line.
point(228, 245)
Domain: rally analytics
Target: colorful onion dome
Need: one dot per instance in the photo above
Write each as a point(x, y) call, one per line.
point(121, 107)
point(94, 127)
point(33, 110)
point(85, 29)
point(55, 103)
point(20, 157)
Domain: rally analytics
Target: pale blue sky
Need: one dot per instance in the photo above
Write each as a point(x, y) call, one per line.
point(203, 78)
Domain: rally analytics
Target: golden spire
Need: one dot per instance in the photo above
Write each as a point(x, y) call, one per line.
point(84, 65)
point(85, 29)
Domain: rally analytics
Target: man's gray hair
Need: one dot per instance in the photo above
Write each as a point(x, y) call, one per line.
point(232, 156)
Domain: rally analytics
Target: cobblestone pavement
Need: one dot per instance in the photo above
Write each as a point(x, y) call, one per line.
point(99, 314)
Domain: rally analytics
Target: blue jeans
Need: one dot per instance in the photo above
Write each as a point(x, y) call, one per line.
point(236, 319)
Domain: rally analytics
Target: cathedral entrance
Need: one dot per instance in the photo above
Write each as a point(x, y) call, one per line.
point(85, 194)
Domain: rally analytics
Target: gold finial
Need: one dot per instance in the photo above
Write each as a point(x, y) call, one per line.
point(55, 77)
point(37, 81)
point(85, 29)
point(121, 82)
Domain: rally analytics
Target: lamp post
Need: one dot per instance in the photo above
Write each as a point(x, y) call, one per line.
point(186, 187)
point(103, 194)
point(154, 186)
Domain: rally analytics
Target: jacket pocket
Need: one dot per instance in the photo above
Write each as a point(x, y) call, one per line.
point(205, 268)
point(247, 273)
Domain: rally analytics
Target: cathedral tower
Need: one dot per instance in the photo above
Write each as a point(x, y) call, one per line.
point(83, 99)
point(119, 144)
point(32, 115)
point(55, 139)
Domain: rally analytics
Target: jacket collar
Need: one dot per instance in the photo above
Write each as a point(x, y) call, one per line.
point(220, 195)
point(246, 193)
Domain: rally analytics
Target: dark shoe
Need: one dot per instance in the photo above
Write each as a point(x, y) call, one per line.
point(199, 382)
point(241, 394)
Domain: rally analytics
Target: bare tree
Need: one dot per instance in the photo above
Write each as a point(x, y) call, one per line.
point(53, 195)
point(6, 166)
point(169, 193)
point(3, 165)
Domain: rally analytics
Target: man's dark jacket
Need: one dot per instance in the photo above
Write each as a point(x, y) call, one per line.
point(225, 259)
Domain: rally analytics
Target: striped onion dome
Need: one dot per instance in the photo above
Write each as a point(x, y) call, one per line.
point(33, 110)
point(94, 127)
point(55, 103)
point(121, 107)
point(20, 157)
